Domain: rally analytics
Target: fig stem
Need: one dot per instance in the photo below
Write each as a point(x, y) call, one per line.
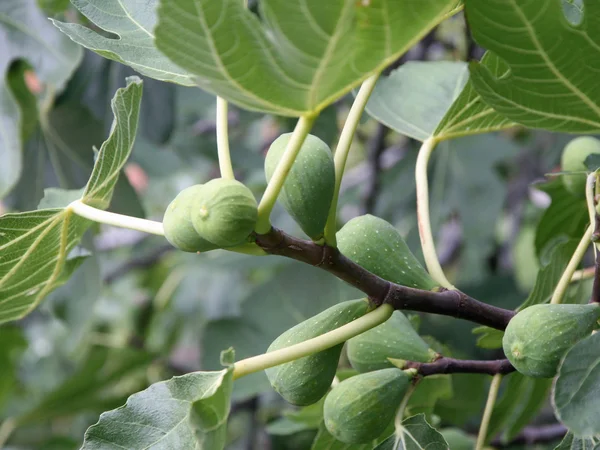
point(590, 185)
point(487, 412)
point(118, 220)
point(567, 275)
point(343, 148)
point(399, 429)
point(263, 224)
point(225, 165)
point(423, 218)
point(314, 345)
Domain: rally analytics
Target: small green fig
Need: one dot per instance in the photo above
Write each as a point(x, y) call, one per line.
point(377, 246)
point(360, 408)
point(573, 160)
point(395, 338)
point(538, 337)
point(224, 212)
point(177, 222)
point(306, 380)
point(308, 189)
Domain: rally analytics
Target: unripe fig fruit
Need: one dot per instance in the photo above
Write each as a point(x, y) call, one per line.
point(308, 189)
point(573, 160)
point(360, 408)
point(306, 380)
point(377, 246)
point(224, 212)
point(395, 338)
point(177, 222)
point(538, 337)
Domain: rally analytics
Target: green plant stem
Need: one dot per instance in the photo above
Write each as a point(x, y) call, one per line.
point(225, 165)
point(589, 196)
point(343, 148)
point(314, 345)
point(487, 413)
point(400, 414)
point(263, 224)
point(405, 400)
point(567, 275)
point(119, 220)
point(424, 220)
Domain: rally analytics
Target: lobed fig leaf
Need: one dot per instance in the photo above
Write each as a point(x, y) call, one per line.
point(377, 246)
point(395, 338)
point(178, 226)
point(308, 189)
point(538, 337)
point(360, 408)
point(573, 160)
point(225, 212)
point(306, 380)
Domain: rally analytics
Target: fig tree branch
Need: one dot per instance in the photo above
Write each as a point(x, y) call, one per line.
point(449, 303)
point(445, 366)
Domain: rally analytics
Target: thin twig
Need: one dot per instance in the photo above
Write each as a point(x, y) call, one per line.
point(451, 365)
point(445, 302)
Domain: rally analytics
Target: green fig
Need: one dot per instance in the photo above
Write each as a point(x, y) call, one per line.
point(306, 380)
point(360, 408)
point(573, 160)
point(225, 212)
point(308, 189)
point(395, 338)
point(538, 337)
point(177, 222)
point(377, 246)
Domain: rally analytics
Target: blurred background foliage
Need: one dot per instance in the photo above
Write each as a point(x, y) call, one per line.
point(137, 311)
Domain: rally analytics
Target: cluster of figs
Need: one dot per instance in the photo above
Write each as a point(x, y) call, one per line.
point(222, 214)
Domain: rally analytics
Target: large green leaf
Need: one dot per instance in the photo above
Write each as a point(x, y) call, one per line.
point(290, 67)
point(184, 412)
point(424, 99)
point(133, 22)
point(26, 34)
point(554, 65)
point(576, 395)
point(414, 98)
point(469, 114)
point(34, 246)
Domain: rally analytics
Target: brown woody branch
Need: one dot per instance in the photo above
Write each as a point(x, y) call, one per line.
point(445, 302)
point(450, 365)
